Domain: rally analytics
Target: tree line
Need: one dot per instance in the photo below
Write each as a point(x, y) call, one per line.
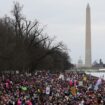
point(25, 47)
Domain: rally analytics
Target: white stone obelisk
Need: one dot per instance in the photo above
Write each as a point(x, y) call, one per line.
point(88, 38)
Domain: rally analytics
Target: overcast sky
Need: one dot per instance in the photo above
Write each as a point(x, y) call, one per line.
point(65, 19)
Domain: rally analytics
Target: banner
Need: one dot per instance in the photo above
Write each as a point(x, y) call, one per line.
point(84, 78)
point(47, 90)
point(61, 76)
point(80, 83)
point(24, 88)
point(73, 91)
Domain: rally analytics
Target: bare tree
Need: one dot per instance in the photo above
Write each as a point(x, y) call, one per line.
point(25, 46)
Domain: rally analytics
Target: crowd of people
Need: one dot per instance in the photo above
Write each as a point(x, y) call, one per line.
point(45, 88)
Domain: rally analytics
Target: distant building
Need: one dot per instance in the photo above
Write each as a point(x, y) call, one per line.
point(99, 64)
point(80, 63)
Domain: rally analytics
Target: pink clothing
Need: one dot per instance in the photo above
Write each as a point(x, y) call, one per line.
point(75, 82)
point(7, 85)
point(71, 83)
point(19, 102)
point(29, 102)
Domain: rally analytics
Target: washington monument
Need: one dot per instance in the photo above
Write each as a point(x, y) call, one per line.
point(88, 38)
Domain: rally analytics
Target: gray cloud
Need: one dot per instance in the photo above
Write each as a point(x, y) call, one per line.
point(66, 20)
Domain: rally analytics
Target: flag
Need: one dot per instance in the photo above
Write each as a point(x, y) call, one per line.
point(99, 81)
